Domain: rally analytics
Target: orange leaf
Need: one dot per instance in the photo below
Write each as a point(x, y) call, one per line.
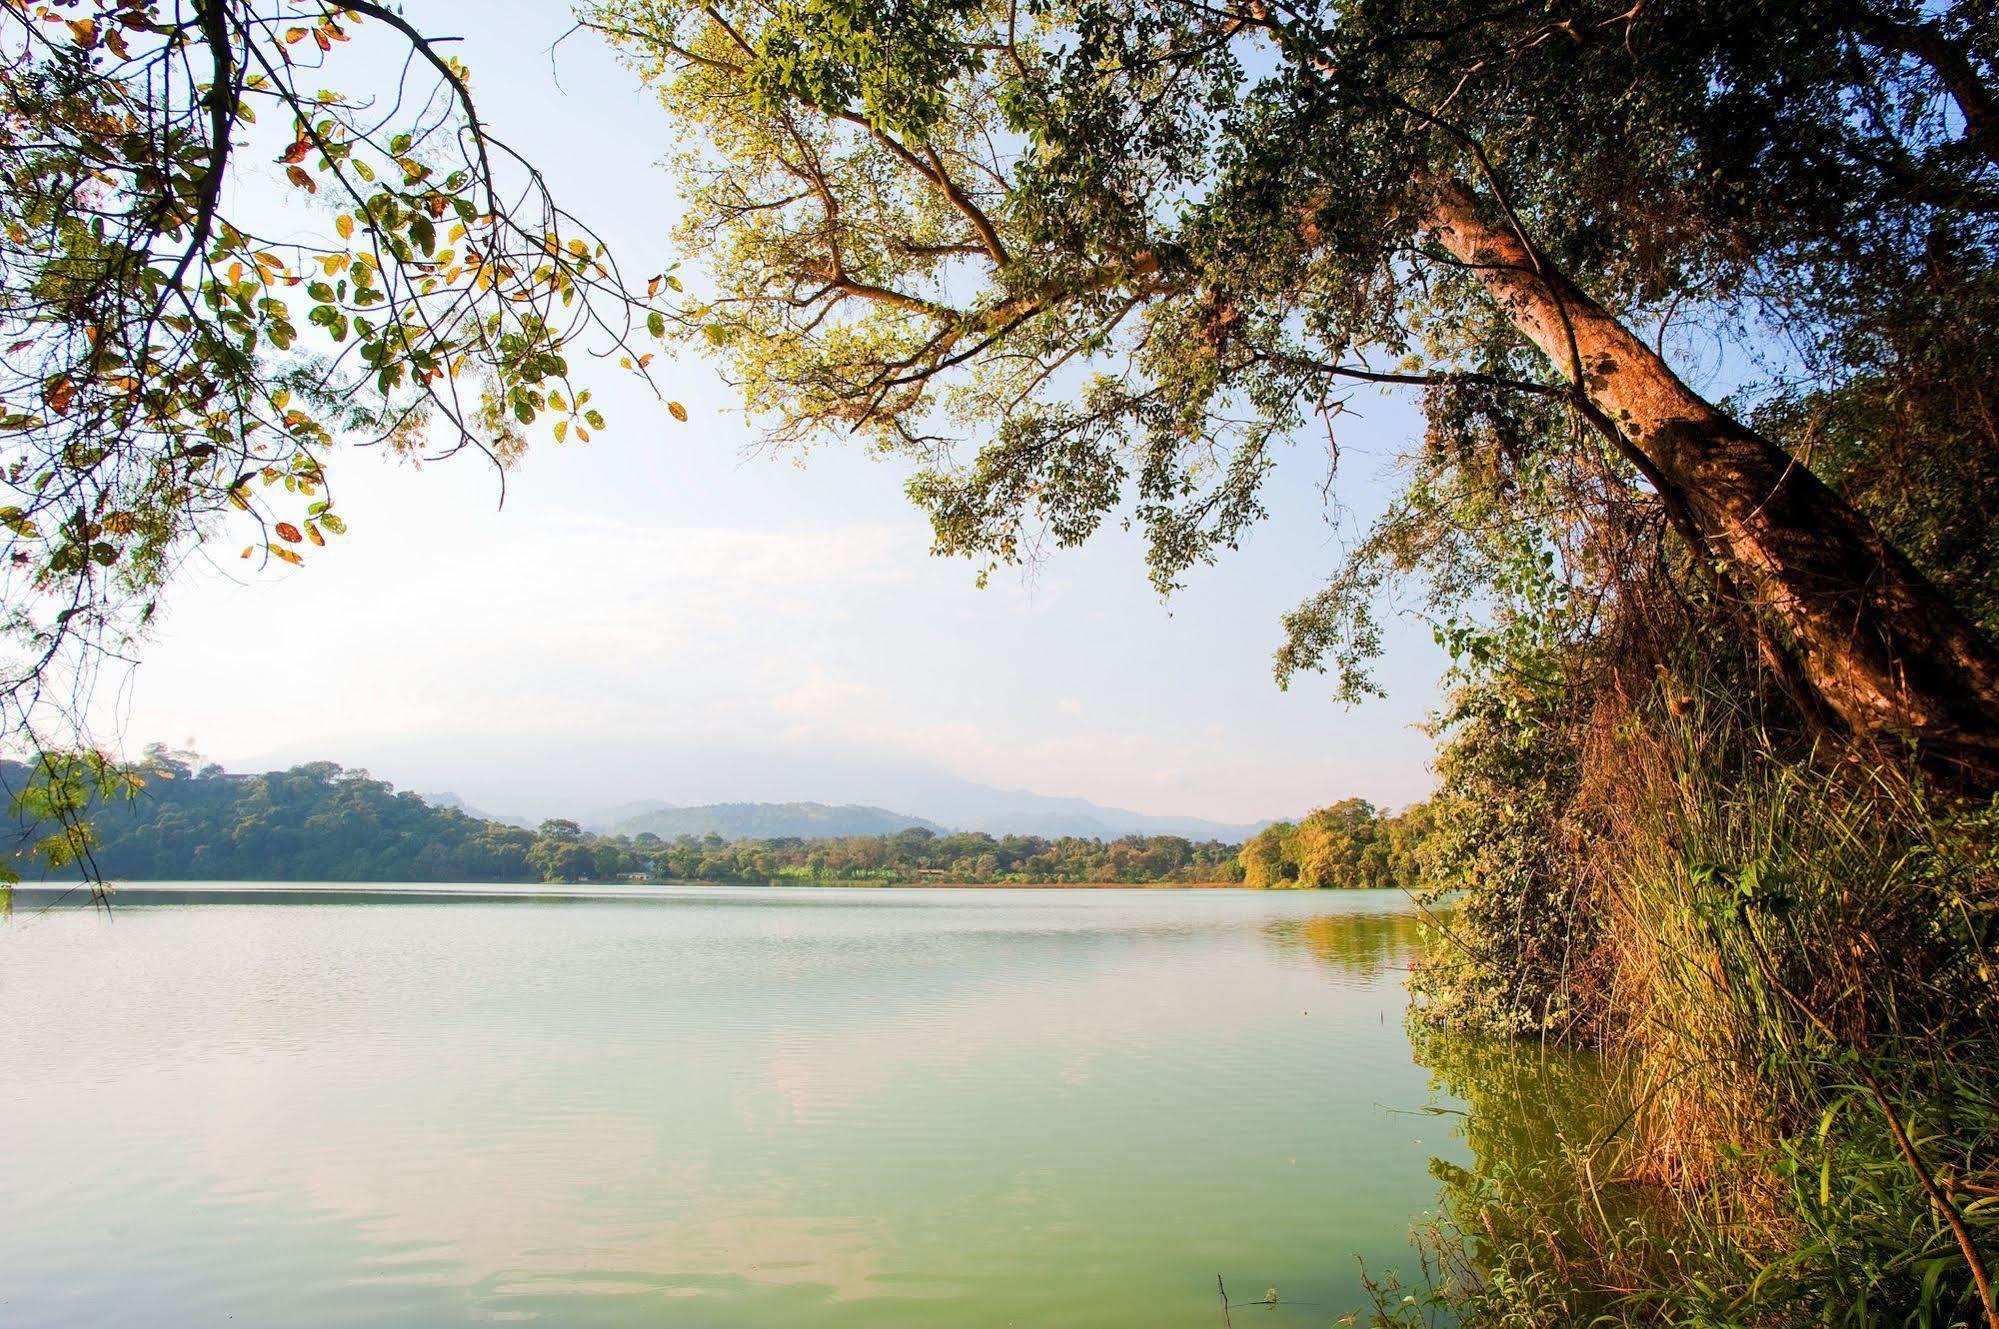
point(297, 175)
point(679, 412)
point(288, 533)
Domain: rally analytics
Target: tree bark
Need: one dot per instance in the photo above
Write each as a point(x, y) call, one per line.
point(1882, 647)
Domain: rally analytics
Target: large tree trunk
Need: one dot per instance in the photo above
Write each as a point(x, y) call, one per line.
point(1882, 647)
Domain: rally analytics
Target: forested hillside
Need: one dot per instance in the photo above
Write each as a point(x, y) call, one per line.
point(188, 821)
point(315, 822)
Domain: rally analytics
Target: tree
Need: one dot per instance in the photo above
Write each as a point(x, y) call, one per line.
point(1267, 859)
point(172, 367)
point(1135, 245)
point(568, 862)
point(1334, 846)
point(1347, 846)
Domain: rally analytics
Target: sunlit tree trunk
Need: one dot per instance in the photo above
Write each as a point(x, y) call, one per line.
point(1880, 645)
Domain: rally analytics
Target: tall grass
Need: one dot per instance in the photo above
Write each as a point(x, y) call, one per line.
point(1794, 961)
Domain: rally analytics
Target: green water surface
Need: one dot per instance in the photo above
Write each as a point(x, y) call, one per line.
point(710, 1107)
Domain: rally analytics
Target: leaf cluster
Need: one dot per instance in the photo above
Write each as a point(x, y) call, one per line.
point(178, 360)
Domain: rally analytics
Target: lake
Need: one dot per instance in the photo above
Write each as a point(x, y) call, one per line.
point(709, 1107)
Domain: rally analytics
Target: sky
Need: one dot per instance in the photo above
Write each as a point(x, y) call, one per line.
point(668, 612)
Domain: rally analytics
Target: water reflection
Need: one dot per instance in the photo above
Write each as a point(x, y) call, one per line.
point(1361, 945)
point(1552, 1182)
point(1526, 1103)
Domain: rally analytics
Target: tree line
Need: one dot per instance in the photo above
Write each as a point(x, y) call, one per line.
point(187, 820)
point(1348, 845)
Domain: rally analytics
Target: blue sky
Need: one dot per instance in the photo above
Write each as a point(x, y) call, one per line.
point(664, 612)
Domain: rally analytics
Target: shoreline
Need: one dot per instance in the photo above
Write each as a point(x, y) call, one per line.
point(154, 893)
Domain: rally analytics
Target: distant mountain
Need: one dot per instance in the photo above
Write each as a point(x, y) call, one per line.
point(758, 821)
point(955, 806)
point(457, 804)
point(594, 783)
point(967, 806)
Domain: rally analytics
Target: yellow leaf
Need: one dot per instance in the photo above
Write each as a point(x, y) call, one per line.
point(345, 225)
point(678, 411)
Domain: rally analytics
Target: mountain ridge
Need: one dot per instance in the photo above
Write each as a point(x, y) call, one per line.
point(802, 820)
point(1011, 812)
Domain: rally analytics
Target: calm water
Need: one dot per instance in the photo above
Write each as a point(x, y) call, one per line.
point(710, 1107)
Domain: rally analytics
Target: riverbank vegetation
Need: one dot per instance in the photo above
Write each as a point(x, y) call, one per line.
point(1784, 954)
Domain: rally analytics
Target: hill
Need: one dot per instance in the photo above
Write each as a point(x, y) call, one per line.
point(760, 821)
